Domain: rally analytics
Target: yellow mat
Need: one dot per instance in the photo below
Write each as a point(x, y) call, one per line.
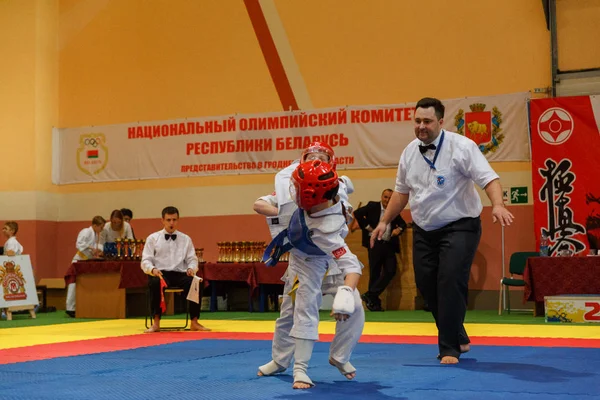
point(61, 333)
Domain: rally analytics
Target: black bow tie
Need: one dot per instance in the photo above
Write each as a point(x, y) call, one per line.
point(423, 149)
point(167, 236)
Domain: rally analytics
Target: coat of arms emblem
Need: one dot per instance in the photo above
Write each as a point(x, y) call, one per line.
point(13, 282)
point(92, 154)
point(481, 126)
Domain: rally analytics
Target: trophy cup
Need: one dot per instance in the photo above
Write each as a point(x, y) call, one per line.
point(252, 252)
point(235, 252)
point(243, 252)
point(220, 252)
point(227, 252)
point(199, 255)
point(138, 249)
point(119, 244)
point(256, 256)
point(126, 249)
point(131, 249)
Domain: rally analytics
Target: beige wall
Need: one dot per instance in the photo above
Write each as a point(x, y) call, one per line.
point(578, 33)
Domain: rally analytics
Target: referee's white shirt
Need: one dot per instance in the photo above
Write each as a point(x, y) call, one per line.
point(446, 194)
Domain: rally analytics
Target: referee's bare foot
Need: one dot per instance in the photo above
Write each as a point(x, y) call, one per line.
point(449, 360)
point(195, 326)
point(152, 329)
point(465, 348)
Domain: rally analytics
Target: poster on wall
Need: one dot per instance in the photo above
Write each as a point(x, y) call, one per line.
point(565, 143)
point(362, 137)
point(18, 285)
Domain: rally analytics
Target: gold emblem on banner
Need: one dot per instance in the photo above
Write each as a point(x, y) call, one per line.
point(483, 127)
point(92, 154)
point(12, 281)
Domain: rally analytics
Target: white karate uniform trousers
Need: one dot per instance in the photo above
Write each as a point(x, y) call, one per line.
point(300, 319)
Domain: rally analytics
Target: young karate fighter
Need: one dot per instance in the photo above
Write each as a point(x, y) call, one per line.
point(278, 208)
point(315, 239)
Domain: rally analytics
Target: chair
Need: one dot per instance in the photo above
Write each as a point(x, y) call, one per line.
point(516, 267)
point(170, 291)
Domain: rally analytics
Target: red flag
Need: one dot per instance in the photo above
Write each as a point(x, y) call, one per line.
point(163, 303)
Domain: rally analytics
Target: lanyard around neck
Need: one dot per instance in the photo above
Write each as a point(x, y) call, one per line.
point(437, 152)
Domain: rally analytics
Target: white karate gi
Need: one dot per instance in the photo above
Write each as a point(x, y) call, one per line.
point(13, 244)
point(87, 242)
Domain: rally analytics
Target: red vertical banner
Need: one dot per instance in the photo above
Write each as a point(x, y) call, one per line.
point(565, 147)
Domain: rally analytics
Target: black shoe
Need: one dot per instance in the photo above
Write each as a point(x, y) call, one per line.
point(367, 299)
point(70, 313)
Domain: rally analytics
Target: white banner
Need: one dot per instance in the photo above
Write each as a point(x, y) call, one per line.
point(362, 136)
point(18, 285)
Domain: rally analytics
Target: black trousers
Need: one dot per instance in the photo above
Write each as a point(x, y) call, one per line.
point(173, 279)
point(382, 267)
point(442, 260)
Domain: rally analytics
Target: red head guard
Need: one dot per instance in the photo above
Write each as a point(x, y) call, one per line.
point(320, 147)
point(313, 182)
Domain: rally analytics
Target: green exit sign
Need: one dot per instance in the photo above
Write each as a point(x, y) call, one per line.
point(518, 195)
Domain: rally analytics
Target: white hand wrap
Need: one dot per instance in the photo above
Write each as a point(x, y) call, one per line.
point(343, 303)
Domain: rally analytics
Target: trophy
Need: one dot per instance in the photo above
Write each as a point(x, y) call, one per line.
point(126, 249)
point(220, 252)
point(228, 252)
point(235, 252)
point(119, 244)
point(132, 249)
point(257, 251)
point(199, 255)
point(244, 252)
point(252, 251)
point(138, 249)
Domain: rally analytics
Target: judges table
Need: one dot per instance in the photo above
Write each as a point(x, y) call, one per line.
point(102, 285)
point(255, 274)
point(552, 276)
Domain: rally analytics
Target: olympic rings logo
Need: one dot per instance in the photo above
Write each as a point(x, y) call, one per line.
point(94, 142)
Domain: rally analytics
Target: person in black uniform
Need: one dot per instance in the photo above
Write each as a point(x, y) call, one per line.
point(382, 257)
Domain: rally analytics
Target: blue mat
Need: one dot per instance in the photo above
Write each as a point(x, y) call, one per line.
point(226, 369)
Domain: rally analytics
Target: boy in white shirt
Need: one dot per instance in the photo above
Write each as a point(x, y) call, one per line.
point(12, 247)
point(170, 255)
point(89, 244)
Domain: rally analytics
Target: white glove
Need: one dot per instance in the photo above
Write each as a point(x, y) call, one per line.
point(343, 303)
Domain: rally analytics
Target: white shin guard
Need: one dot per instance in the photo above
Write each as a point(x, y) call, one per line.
point(344, 369)
point(302, 355)
point(270, 368)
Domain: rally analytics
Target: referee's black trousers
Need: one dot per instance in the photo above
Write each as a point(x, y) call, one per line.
point(442, 260)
